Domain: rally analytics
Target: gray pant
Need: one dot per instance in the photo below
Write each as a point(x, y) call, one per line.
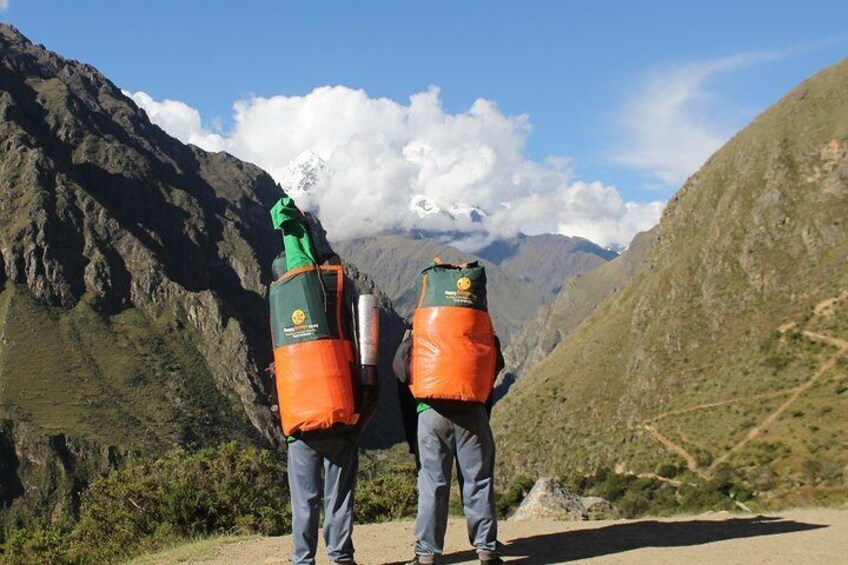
point(339, 458)
point(458, 431)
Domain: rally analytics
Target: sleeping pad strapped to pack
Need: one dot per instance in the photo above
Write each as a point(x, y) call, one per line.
point(313, 355)
point(453, 342)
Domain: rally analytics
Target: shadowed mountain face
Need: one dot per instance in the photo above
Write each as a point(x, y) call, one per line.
point(132, 284)
point(523, 273)
point(727, 345)
point(546, 260)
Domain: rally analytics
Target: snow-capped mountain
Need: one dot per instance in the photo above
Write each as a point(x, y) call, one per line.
point(302, 174)
point(300, 177)
point(423, 206)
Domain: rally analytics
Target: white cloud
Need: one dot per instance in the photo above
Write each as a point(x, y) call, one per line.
point(4, 5)
point(669, 131)
point(177, 118)
point(381, 156)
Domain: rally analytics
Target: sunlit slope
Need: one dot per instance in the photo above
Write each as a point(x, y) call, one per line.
point(719, 349)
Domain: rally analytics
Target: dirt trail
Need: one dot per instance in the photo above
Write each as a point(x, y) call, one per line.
point(817, 537)
point(822, 308)
point(773, 417)
point(691, 462)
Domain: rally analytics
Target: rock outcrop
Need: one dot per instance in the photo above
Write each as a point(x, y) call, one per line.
point(550, 499)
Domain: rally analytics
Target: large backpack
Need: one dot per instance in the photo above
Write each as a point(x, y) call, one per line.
point(454, 355)
point(314, 358)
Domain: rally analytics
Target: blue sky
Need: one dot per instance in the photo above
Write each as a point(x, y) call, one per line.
point(591, 76)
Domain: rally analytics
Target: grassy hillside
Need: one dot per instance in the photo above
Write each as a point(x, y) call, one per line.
point(576, 300)
point(721, 349)
point(117, 380)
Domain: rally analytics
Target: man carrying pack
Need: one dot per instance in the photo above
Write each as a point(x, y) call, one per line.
point(318, 381)
point(451, 367)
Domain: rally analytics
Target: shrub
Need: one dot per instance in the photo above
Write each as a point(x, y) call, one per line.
point(228, 489)
point(45, 545)
point(669, 470)
point(635, 496)
point(385, 491)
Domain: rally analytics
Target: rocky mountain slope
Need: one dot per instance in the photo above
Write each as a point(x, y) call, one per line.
point(546, 260)
point(727, 348)
point(577, 298)
point(523, 273)
point(132, 285)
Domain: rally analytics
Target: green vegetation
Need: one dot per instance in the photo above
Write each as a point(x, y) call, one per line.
point(120, 380)
point(230, 490)
point(724, 346)
point(212, 491)
point(386, 486)
point(639, 496)
point(147, 505)
point(183, 551)
point(509, 498)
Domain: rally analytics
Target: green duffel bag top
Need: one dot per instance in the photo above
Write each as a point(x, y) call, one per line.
point(443, 284)
point(301, 310)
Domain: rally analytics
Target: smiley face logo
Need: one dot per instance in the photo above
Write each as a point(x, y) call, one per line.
point(298, 317)
point(464, 283)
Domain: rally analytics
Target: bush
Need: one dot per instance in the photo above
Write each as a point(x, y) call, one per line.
point(44, 545)
point(228, 489)
point(385, 491)
point(635, 496)
point(669, 470)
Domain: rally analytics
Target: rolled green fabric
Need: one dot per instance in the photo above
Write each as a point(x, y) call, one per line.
point(288, 218)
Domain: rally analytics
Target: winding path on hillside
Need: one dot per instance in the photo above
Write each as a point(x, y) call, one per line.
point(691, 462)
point(797, 392)
point(794, 393)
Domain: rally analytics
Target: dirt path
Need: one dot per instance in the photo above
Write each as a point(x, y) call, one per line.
point(774, 416)
point(691, 462)
point(795, 392)
point(808, 537)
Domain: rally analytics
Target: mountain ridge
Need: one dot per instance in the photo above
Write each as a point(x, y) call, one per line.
point(752, 242)
point(394, 261)
point(132, 287)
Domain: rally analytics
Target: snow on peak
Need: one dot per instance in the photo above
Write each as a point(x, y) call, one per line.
point(423, 206)
point(301, 175)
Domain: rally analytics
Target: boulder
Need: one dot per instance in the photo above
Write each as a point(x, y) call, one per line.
point(550, 499)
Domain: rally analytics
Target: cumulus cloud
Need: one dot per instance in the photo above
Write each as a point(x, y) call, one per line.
point(669, 132)
point(385, 165)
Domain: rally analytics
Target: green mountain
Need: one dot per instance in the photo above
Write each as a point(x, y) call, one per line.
point(523, 273)
point(132, 287)
point(726, 350)
point(577, 298)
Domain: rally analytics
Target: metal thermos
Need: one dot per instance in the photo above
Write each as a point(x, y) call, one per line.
point(369, 329)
